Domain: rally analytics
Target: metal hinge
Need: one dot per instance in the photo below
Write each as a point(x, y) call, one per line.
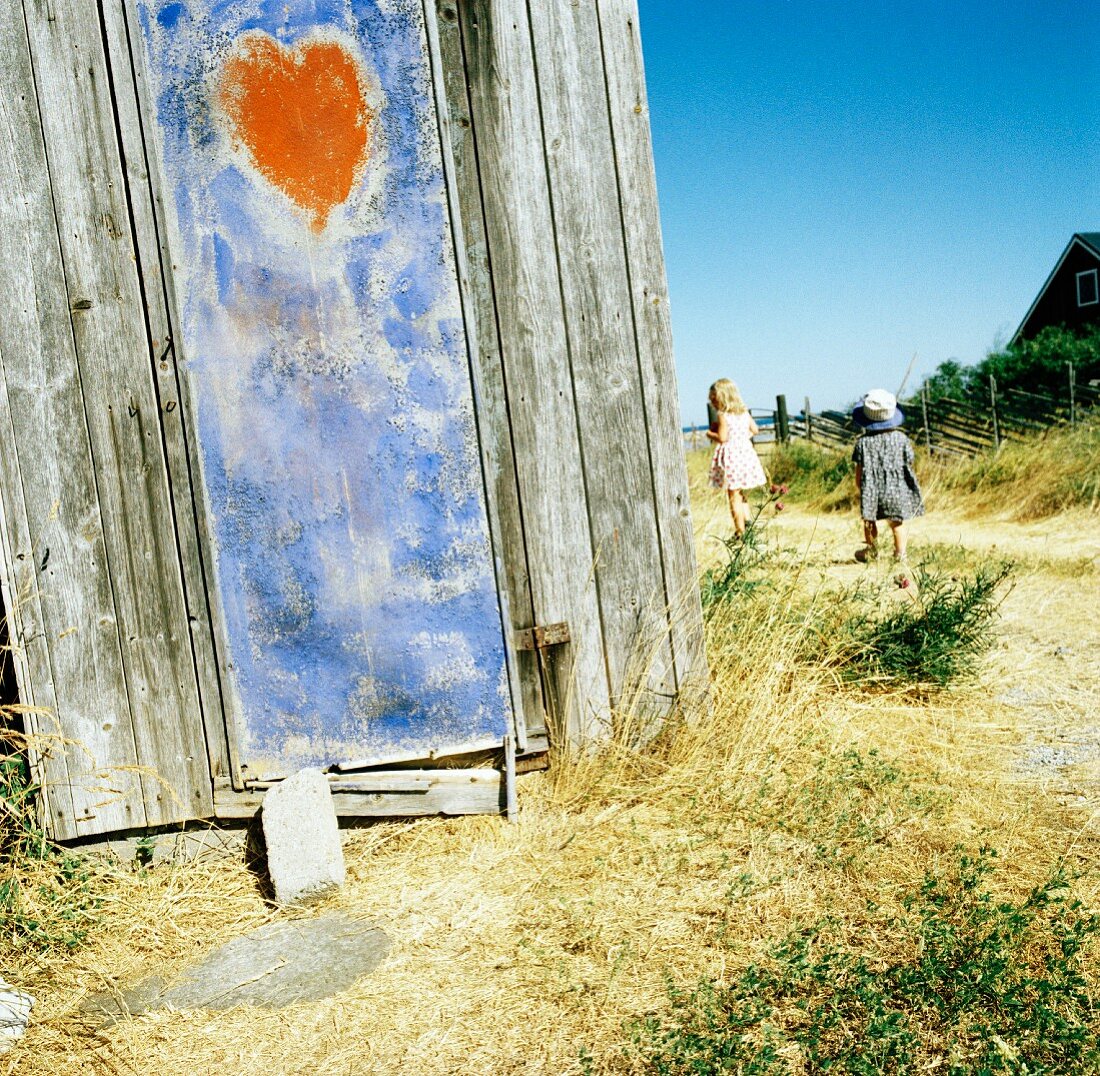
point(540, 637)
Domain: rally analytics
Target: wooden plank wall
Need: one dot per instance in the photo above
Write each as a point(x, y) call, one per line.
point(103, 521)
point(637, 186)
point(133, 100)
point(92, 565)
point(491, 413)
point(559, 207)
point(531, 345)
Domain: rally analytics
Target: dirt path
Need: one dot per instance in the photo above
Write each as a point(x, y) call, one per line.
point(1046, 672)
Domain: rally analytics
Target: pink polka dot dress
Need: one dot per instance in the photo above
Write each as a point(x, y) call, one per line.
point(735, 464)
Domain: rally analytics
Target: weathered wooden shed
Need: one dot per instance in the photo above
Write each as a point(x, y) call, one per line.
point(338, 419)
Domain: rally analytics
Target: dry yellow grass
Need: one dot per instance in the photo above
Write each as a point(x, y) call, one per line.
point(518, 948)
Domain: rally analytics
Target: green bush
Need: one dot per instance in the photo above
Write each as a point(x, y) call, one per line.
point(934, 637)
point(1037, 365)
point(981, 985)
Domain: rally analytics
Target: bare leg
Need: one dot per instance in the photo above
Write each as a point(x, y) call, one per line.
point(870, 539)
point(897, 527)
point(742, 511)
point(737, 510)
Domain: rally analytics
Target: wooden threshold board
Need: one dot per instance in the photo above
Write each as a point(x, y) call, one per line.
point(406, 791)
point(391, 794)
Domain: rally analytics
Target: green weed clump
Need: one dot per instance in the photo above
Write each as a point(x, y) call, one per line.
point(46, 898)
point(748, 559)
point(848, 808)
point(936, 636)
point(955, 980)
point(743, 572)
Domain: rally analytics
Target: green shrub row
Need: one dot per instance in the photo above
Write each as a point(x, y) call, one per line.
point(982, 985)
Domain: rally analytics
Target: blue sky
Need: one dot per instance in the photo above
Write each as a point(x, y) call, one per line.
point(845, 185)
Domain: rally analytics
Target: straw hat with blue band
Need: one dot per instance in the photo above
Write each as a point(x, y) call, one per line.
point(877, 411)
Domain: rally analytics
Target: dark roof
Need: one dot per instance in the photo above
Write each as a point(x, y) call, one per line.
point(1091, 239)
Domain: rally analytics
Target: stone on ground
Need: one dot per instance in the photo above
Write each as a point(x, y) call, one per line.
point(15, 1014)
point(273, 966)
point(304, 855)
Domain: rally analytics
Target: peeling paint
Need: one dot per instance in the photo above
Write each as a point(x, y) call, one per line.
point(316, 158)
point(325, 348)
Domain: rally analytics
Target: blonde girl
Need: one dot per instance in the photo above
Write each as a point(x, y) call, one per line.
point(734, 466)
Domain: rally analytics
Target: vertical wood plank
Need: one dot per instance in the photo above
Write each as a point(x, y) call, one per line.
point(29, 652)
point(113, 352)
point(637, 187)
point(611, 400)
point(132, 98)
point(494, 428)
point(508, 143)
point(66, 626)
point(483, 402)
point(170, 239)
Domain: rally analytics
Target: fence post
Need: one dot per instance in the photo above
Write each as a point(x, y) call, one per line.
point(809, 420)
point(783, 430)
point(993, 406)
point(924, 414)
point(1072, 395)
point(694, 436)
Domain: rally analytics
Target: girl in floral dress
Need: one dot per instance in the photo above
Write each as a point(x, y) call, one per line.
point(734, 466)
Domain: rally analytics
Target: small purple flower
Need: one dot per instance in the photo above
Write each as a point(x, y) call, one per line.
point(783, 489)
point(773, 489)
point(779, 506)
point(903, 582)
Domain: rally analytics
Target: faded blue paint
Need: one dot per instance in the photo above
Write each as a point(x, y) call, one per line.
point(170, 15)
point(334, 406)
point(223, 268)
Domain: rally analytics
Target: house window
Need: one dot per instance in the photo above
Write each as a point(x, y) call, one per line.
point(1087, 291)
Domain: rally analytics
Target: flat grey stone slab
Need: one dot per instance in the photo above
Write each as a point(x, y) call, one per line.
point(304, 856)
point(273, 966)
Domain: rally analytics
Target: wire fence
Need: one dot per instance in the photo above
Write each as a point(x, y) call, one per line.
point(944, 425)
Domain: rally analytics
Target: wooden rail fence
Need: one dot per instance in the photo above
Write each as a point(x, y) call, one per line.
point(944, 426)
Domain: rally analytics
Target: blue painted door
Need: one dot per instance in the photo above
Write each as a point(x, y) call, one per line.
point(323, 341)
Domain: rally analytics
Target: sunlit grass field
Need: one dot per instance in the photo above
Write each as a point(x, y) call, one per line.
point(843, 866)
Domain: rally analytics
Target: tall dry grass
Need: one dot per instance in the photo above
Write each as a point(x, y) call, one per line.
point(535, 947)
point(1024, 480)
point(1033, 479)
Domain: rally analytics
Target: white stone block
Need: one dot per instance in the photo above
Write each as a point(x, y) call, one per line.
point(15, 1014)
point(304, 855)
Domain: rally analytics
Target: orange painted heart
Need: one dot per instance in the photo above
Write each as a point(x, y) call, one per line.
point(302, 115)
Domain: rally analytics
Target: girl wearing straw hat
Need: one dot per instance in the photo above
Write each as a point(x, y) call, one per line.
point(888, 488)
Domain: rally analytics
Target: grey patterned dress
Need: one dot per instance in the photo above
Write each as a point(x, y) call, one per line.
point(890, 489)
